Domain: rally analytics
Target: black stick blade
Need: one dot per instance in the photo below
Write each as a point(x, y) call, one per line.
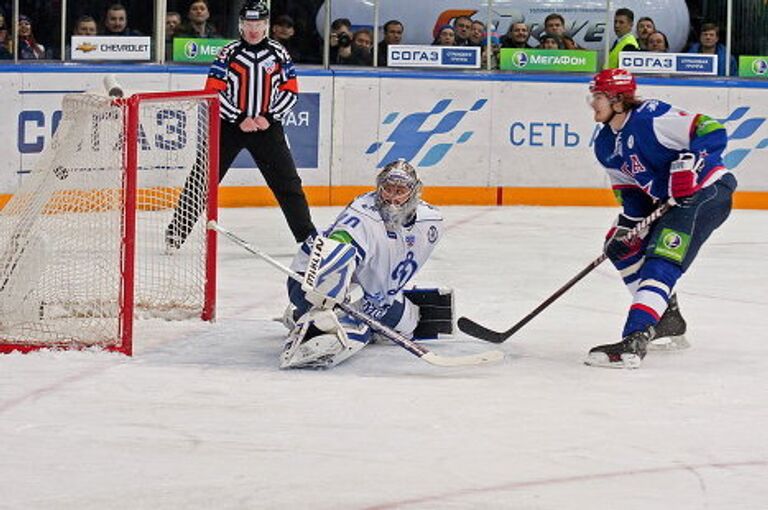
point(476, 330)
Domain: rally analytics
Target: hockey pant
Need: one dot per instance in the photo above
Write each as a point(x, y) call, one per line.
point(669, 250)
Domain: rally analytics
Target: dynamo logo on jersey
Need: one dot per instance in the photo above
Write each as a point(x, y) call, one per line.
point(409, 138)
point(744, 130)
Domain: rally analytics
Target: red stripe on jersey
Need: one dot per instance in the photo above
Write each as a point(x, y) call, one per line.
point(266, 88)
point(242, 98)
point(215, 84)
point(291, 85)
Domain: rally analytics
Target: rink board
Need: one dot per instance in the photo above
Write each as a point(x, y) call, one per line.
point(476, 139)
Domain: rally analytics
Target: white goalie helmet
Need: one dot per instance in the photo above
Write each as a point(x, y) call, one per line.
point(398, 192)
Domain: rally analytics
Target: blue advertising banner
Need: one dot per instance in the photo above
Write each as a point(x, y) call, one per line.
point(302, 128)
point(402, 55)
point(668, 63)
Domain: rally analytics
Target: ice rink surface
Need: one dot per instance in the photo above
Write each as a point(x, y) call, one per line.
point(201, 417)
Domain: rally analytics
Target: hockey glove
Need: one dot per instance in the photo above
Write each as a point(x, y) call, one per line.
point(617, 246)
point(329, 272)
point(683, 177)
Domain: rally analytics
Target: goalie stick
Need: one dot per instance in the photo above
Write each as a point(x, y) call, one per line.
point(404, 342)
point(477, 330)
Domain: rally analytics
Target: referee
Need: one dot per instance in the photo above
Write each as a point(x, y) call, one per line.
point(257, 86)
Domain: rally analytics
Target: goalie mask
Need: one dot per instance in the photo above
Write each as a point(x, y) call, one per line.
point(398, 192)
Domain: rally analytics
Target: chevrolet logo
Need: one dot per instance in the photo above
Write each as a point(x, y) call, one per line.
point(86, 47)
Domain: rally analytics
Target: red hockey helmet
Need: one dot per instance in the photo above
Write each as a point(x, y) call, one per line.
point(613, 82)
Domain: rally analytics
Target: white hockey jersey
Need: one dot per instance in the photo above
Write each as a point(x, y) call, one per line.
point(386, 260)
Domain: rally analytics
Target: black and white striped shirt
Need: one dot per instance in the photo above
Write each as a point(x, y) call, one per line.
point(254, 79)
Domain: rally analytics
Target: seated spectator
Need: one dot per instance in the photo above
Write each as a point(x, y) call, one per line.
point(197, 25)
point(477, 35)
point(550, 42)
point(645, 27)
point(172, 23)
point(116, 22)
point(340, 40)
point(362, 49)
point(283, 31)
point(84, 25)
point(517, 36)
point(29, 48)
point(393, 34)
point(446, 36)
point(462, 25)
point(569, 43)
point(495, 48)
point(555, 24)
point(657, 42)
point(5, 42)
point(709, 38)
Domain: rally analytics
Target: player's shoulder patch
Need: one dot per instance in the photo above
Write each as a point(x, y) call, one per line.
point(365, 205)
point(652, 108)
point(428, 212)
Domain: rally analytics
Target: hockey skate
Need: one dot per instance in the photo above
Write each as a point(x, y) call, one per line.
point(628, 353)
point(670, 331)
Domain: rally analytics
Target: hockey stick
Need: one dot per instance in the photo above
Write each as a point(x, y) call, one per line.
point(406, 343)
point(476, 330)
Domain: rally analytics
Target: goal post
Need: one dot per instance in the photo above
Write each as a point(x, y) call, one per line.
point(83, 242)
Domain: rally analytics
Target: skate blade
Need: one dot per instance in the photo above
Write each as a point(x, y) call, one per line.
point(669, 343)
point(600, 359)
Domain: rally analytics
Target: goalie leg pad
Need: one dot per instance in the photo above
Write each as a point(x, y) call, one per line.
point(322, 339)
point(436, 311)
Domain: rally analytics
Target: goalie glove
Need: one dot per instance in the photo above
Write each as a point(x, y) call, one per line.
point(617, 246)
point(683, 177)
point(327, 279)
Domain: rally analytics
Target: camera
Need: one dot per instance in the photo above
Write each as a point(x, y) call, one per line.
point(344, 39)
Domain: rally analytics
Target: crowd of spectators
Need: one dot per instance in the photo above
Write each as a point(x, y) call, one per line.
point(351, 44)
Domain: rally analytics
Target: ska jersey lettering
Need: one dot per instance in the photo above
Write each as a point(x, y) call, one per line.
point(387, 261)
point(638, 156)
point(254, 80)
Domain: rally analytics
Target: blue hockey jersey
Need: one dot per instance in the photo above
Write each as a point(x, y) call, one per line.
point(637, 156)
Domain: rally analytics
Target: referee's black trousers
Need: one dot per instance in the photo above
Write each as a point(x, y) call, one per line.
point(269, 150)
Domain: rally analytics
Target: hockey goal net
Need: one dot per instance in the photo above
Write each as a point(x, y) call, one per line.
point(83, 245)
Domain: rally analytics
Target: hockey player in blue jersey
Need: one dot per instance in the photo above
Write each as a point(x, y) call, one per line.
point(655, 153)
point(366, 257)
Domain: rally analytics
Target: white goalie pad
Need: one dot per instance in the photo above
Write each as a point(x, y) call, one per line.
point(329, 272)
point(322, 339)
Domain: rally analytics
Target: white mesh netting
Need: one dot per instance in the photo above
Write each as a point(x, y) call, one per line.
point(62, 234)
